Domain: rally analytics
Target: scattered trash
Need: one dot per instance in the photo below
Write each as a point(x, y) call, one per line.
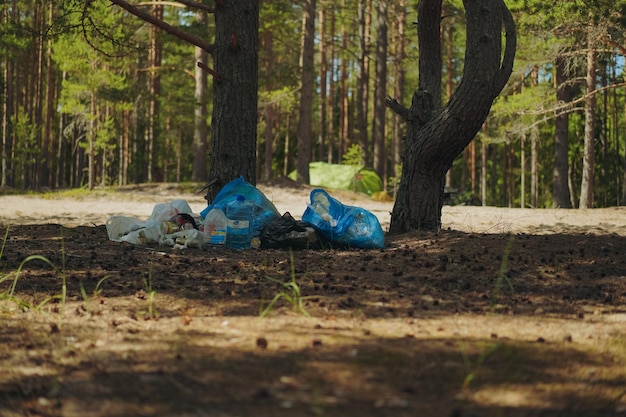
point(241, 217)
point(171, 224)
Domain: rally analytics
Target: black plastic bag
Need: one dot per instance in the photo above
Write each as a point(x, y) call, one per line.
point(287, 232)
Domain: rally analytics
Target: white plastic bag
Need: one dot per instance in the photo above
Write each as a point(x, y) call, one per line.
point(119, 226)
point(139, 232)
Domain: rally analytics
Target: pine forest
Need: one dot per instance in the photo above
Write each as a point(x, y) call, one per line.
point(94, 96)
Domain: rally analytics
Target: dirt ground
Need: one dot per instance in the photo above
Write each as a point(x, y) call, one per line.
point(505, 312)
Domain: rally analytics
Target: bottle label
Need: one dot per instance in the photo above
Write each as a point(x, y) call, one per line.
point(238, 224)
point(218, 237)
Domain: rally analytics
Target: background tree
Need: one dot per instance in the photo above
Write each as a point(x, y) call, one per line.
point(305, 133)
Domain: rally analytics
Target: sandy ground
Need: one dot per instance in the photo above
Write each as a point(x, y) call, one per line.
point(95, 208)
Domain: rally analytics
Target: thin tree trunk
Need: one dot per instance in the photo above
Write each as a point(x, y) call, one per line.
point(323, 84)
point(154, 89)
point(587, 183)
point(522, 155)
point(398, 88)
point(534, 162)
point(330, 133)
point(381, 90)
point(362, 81)
point(448, 39)
point(286, 159)
point(483, 173)
point(199, 170)
point(91, 176)
point(560, 176)
point(305, 133)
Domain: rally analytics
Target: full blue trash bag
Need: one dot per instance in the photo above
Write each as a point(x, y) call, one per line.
point(264, 209)
point(344, 225)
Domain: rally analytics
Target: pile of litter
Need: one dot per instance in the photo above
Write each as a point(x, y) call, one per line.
point(242, 217)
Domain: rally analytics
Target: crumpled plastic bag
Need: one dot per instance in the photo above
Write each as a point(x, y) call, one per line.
point(140, 232)
point(287, 232)
point(343, 225)
point(264, 209)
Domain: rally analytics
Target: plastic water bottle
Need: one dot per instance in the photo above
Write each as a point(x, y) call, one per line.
point(215, 225)
point(240, 218)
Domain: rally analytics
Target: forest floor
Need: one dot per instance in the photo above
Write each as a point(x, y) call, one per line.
point(505, 312)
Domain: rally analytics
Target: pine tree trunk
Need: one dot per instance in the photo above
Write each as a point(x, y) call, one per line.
point(586, 187)
point(323, 84)
point(305, 132)
point(154, 90)
point(234, 119)
point(560, 179)
point(362, 82)
point(399, 80)
point(380, 94)
point(332, 91)
point(199, 170)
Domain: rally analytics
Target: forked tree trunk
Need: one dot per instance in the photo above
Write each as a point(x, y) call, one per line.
point(436, 136)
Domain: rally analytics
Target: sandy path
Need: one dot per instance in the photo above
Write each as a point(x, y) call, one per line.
point(97, 207)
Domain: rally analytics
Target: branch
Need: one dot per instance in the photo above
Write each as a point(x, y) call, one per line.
point(214, 74)
point(571, 103)
point(506, 68)
point(189, 3)
point(194, 40)
point(397, 108)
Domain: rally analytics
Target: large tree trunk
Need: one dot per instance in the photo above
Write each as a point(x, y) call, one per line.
point(436, 136)
point(234, 120)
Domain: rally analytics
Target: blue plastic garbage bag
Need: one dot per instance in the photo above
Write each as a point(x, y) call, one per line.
point(264, 209)
point(341, 224)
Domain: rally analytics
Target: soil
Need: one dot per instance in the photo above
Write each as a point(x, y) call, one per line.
point(504, 312)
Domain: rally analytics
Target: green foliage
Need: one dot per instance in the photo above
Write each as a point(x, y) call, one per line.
point(14, 276)
point(289, 291)
point(354, 156)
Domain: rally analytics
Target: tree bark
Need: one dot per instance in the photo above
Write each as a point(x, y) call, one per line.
point(305, 133)
point(399, 80)
point(362, 81)
point(586, 186)
point(436, 136)
point(323, 85)
point(560, 188)
point(234, 119)
point(199, 170)
point(380, 94)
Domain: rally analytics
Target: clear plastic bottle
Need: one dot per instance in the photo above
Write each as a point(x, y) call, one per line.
point(240, 216)
point(215, 227)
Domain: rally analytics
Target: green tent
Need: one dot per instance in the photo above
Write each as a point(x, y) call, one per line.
point(343, 177)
